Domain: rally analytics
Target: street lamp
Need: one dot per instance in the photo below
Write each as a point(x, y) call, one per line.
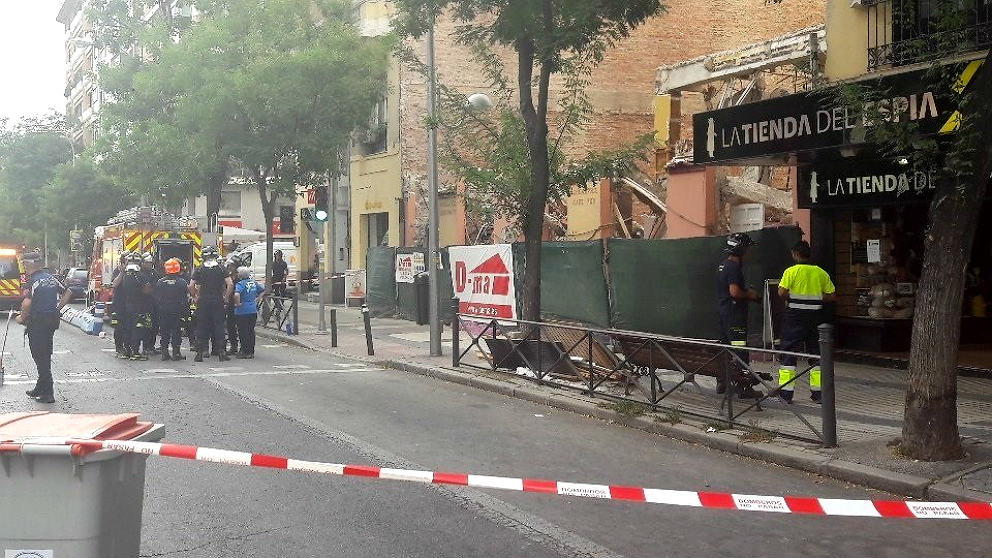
point(475, 102)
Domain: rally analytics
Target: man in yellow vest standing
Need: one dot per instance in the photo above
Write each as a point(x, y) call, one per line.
point(805, 288)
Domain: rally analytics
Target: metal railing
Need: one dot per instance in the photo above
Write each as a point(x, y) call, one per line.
point(904, 32)
point(603, 360)
point(275, 312)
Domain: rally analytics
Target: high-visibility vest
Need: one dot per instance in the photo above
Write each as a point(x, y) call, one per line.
point(806, 284)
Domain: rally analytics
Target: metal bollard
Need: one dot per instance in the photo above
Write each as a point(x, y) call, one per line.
point(829, 409)
point(334, 327)
point(296, 310)
point(456, 351)
point(368, 329)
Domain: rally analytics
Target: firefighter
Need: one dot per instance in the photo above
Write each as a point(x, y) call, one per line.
point(117, 309)
point(733, 297)
point(805, 288)
point(137, 294)
point(233, 263)
point(152, 275)
point(172, 301)
point(211, 286)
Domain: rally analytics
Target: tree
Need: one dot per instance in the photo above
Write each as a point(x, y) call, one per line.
point(961, 163)
point(81, 196)
point(285, 82)
point(488, 152)
point(30, 154)
point(543, 34)
point(151, 143)
point(930, 428)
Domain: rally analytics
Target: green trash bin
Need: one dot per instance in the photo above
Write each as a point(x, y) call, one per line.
point(60, 505)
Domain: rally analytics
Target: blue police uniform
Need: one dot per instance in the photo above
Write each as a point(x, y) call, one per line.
point(44, 291)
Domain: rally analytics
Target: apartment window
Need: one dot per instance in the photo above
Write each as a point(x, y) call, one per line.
point(230, 202)
point(374, 139)
point(904, 32)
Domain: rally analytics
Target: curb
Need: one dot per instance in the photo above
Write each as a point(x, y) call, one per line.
point(808, 460)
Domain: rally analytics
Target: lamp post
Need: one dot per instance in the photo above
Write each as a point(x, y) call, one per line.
point(433, 220)
point(479, 102)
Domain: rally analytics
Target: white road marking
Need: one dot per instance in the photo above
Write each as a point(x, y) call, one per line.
point(161, 371)
point(62, 352)
point(109, 350)
point(103, 379)
point(291, 367)
point(280, 345)
point(226, 368)
point(86, 374)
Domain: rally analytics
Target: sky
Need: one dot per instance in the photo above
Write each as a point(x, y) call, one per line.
point(32, 58)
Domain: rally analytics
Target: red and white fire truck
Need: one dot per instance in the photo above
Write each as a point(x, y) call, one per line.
point(141, 229)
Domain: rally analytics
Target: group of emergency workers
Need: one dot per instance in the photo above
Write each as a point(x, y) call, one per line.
point(215, 297)
point(804, 288)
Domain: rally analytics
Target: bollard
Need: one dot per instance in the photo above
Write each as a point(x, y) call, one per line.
point(829, 409)
point(368, 329)
point(334, 327)
point(296, 310)
point(456, 351)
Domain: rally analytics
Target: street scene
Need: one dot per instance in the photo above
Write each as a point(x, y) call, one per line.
point(521, 278)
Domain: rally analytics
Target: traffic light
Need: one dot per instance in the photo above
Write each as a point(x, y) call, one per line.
point(320, 209)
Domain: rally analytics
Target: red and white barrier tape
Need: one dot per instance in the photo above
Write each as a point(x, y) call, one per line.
point(719, 500)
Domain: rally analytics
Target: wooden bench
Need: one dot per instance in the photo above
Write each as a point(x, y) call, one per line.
point(548, 357)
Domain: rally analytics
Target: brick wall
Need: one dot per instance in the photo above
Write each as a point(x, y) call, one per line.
point(623, 85)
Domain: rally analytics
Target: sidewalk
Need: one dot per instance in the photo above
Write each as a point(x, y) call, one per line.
point(869, 411)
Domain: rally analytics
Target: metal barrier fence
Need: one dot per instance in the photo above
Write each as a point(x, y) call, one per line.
point(551, 353)
point(276, 312)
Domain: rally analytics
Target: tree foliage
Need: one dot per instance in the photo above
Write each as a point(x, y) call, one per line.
point(547, 36)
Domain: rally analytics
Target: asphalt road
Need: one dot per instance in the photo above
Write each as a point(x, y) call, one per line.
point(305, 405)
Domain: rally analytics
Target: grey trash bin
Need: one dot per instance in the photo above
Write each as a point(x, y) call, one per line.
point(60, 505)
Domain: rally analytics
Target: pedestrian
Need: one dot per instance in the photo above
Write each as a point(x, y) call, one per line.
point(117, 309)
point(246, 295)
point(211, 286)
point(280, 271)
point(805, 288)
point(152, 276)
point(44, 297)
point(733, 297)
point(233, 263)
point(137, 292)
point(172, 301)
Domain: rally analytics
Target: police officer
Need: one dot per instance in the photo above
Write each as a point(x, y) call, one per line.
point(733, 297)
point(233, 262)
point(44, 297)
point(211, 286)
point(136, 290)
point(805, 288)
point(172, 301)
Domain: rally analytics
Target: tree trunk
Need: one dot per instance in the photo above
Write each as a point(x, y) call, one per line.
point(536, 119)
point(215, 184)
point(268, 212)
point(930, 428)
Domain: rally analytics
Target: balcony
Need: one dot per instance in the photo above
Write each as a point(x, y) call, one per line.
point(902, 32)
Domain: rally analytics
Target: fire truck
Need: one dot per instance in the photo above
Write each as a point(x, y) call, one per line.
point(11, 276)
point(141, 229)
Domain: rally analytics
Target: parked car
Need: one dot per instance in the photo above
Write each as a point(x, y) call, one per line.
point(77, 281)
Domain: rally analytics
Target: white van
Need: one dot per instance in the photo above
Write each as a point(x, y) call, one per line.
point(253, 256)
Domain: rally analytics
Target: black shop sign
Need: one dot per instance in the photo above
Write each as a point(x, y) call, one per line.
point(812, 121)
point(862, 183)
